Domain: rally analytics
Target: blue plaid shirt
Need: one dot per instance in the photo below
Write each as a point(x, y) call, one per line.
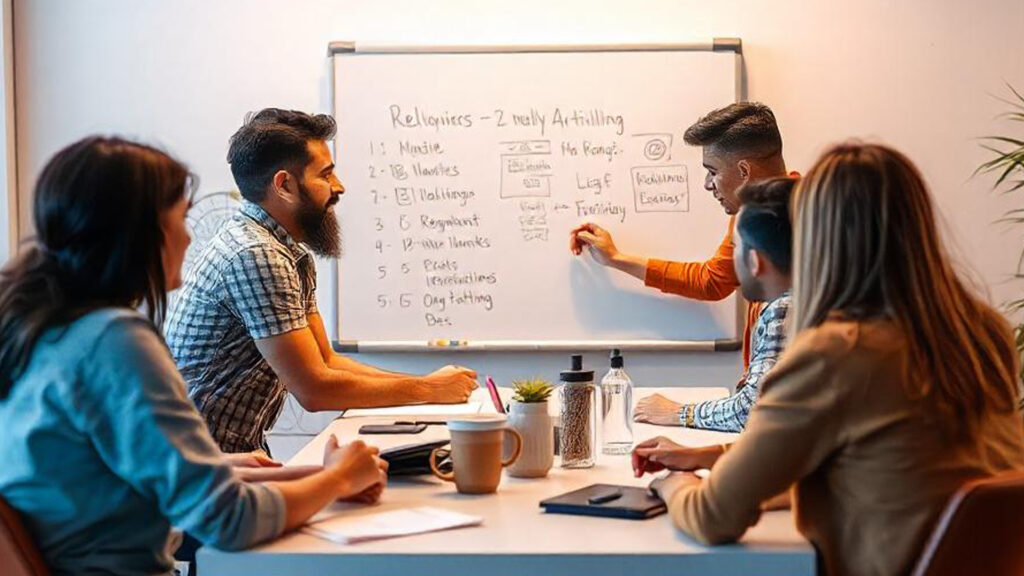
point(767, 341)
point(252, 281)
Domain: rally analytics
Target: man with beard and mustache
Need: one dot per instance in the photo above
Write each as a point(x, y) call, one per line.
point(245, 329)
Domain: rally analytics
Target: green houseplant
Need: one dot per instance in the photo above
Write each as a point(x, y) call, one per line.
point(531, 391)
point(1007, 163)
point(528, 415)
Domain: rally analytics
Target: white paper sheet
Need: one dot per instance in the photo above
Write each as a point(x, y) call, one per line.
point(345, 529)
point(418, 410)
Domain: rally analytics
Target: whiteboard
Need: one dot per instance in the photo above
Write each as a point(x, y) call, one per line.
point(465, 172)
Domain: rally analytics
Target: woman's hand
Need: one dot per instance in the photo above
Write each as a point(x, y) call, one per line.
point(351, 472)
point(372, 494)
point(660, 453)
point(666, 487)
point(360, 467)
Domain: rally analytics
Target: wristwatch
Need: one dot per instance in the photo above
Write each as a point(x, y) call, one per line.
point(686, 415)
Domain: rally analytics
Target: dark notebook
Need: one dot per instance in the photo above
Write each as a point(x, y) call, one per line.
point(413, 459)
point(607, 500)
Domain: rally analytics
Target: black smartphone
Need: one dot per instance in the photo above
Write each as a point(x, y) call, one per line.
point(392, 428)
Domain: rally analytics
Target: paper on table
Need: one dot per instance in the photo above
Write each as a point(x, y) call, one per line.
point(418, 410)
point(352, 530)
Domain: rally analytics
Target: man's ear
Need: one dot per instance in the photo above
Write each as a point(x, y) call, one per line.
point(284, 186)
point(756, 263)
point(744, 168)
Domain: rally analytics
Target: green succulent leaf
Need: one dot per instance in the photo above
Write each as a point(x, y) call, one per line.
point(531, 391)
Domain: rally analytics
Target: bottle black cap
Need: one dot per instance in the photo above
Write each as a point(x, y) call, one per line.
point(577, 373)
point(616, 358)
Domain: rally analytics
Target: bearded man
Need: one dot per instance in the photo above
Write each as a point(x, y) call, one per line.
point(245, 329)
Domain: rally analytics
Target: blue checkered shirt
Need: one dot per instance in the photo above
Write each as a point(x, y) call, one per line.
point(252, 281)
point(767, 341)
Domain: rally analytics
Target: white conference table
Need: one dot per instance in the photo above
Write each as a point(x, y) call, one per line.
point(517, 537)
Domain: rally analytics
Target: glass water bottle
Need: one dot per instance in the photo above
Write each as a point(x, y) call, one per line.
point(616, 408)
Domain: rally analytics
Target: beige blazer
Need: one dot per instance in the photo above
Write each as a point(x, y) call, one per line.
point(869, 468)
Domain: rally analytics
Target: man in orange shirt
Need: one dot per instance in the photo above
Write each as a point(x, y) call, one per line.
point(740, 142)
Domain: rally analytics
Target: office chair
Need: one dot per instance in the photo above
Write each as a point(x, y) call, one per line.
point(18, 553)
point(980, 530)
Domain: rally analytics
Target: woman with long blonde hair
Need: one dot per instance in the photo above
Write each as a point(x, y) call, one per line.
point(899, 385)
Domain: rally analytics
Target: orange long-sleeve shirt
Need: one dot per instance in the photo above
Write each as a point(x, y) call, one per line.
point(714, 279)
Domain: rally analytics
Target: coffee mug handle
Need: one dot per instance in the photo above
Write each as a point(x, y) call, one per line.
point(450, 476)
point(515, 453)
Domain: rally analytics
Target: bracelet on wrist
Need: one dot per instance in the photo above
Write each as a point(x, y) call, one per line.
point(686, 415)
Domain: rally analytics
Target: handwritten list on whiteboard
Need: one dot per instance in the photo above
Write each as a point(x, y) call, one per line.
point(465, 173)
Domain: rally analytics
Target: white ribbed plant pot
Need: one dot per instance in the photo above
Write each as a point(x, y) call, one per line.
point(534, 424)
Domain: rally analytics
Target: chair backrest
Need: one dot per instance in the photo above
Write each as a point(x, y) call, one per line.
point(18, 553)
point(980, 531)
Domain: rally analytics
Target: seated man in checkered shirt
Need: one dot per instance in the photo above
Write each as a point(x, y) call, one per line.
point(763, 238)
point(245, 329)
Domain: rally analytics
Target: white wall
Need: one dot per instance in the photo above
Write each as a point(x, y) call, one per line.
point(8, 173)
point(919, 75)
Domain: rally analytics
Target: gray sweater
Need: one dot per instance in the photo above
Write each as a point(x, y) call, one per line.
point(102, 452)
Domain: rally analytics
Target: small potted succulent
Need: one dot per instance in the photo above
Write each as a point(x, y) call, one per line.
point(528, 415)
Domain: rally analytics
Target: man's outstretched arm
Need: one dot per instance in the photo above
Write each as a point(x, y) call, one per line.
point(297, 359)
point(713, 279)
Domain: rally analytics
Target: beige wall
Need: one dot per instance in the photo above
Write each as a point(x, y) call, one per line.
point(8, 172)
point(916, 74)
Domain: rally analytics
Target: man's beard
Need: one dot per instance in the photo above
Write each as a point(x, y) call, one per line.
point(319, 226)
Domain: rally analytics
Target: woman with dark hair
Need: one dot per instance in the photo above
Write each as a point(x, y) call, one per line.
point(899, 385)
point(103, 452)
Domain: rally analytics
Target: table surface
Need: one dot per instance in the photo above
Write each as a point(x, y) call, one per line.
point(517, 537)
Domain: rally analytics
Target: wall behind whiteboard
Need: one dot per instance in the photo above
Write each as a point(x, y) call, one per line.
point(183, 74)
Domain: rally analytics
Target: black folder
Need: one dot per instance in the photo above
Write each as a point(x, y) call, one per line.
point(607, 500)
point(413, 459)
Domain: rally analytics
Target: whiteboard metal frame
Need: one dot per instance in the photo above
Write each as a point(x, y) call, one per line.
point(713, 45)
point(377, 346)
point(345, 47)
